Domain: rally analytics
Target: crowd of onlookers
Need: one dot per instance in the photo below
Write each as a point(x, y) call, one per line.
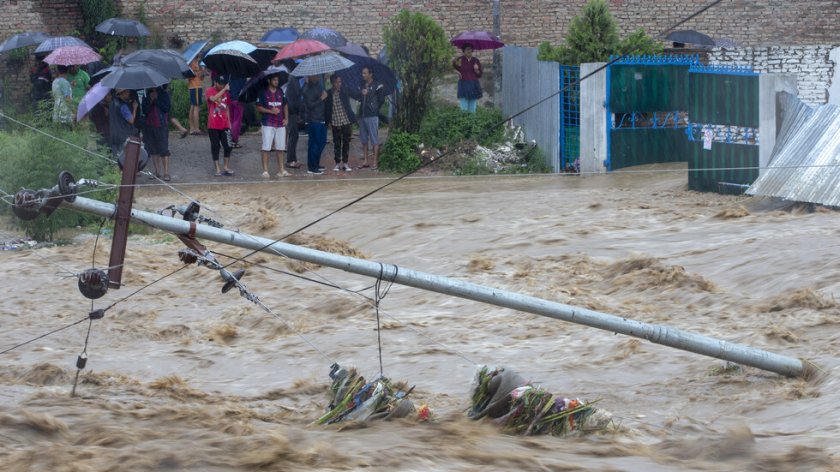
point(284, 102)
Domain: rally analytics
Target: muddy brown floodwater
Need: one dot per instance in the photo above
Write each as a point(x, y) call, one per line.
point(183, 377)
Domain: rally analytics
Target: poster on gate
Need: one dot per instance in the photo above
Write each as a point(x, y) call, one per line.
point(707, 139)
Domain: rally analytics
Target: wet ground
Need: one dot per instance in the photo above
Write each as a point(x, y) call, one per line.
point(183, 377)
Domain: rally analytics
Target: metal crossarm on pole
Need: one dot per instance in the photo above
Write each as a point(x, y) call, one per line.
point(738, 353)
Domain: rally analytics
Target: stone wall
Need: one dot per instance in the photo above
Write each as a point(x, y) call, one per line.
point(523, 22)
point(812, 66)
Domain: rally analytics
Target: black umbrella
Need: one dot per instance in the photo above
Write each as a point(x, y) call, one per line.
point(133, 77)
point(251, 91)
point(263, 56)
point(352, 77)
point(22, 40)
point(169, 63)
point(327, 36)
point(690, 37)
point(232, 62)
point(122, 27)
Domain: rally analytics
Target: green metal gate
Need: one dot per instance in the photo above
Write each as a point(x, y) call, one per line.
point(723, 108)
point(646, 110)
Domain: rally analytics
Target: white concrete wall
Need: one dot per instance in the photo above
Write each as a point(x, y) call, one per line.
point(593, 119)
point(834, 89)
point(810, 64)
point(769, 114)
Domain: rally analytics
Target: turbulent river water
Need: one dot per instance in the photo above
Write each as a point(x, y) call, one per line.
point(183, 377)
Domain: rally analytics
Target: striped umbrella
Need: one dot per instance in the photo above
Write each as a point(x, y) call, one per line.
point(321, 64)
point(56, 42)
point(72, 56)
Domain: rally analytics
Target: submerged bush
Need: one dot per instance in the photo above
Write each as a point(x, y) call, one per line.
point(446, 125)
point(399, 153)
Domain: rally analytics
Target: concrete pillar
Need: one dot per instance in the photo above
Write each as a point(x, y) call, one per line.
point(769, 113)
point(593, 119)
point(834, 89)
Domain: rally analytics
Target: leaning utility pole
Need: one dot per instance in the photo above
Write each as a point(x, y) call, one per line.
point(28, 202)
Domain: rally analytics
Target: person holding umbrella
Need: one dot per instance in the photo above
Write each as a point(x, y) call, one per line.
point(62, 98)
point(41, 78)
point(340, 118)
point(79, 81)
point(218, 123)
point(156, 106)
point(371, 97)
point(469, 71)
point(121, 117)
point(314, 97)
point(272, 105)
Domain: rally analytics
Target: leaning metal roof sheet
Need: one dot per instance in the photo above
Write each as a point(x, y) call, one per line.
point(805, 164)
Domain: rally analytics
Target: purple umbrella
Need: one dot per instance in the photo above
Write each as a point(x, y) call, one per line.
point(327, 36)
point(477, 39)
point(93, 96)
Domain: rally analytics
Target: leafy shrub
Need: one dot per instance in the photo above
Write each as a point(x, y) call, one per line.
point(535, 163)
point(419, 53)
point(593, 37)
point(446, 125)
point(180, 94)
point(399, 153)
point(32, 160)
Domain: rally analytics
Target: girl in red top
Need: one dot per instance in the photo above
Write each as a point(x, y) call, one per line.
point(469, 71)
point(218, 122)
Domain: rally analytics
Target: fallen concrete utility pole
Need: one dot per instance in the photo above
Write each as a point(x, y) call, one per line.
point(737, 353)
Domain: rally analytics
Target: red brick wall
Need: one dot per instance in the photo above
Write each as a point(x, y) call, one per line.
point(524, 22)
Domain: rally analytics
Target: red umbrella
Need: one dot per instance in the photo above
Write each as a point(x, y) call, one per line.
point(477, 39)
point(301, 47)
point(72, 56)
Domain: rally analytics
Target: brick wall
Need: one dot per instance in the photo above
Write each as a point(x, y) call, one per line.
point(524, 22)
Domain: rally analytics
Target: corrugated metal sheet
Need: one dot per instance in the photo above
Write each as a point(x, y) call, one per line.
point(526, 82)
point(805, 165)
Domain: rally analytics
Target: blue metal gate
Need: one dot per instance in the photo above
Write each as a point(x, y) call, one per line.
point(569, 119)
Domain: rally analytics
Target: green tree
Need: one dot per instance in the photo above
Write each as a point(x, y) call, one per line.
point(419, 53)
point(593, 37)
point(639, 43)
point(93, 13)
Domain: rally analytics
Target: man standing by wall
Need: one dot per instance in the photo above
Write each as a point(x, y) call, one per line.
point(340, 118)
point(371, 96)
point(79, 81)
point(314, 97)
point(294, 101)
point(273, 108)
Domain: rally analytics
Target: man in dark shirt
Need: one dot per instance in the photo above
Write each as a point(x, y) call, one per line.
point(314, 97)
point(293, 93)
point(371, 96)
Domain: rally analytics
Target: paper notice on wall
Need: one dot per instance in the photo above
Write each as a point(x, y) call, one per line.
point(708, 135)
